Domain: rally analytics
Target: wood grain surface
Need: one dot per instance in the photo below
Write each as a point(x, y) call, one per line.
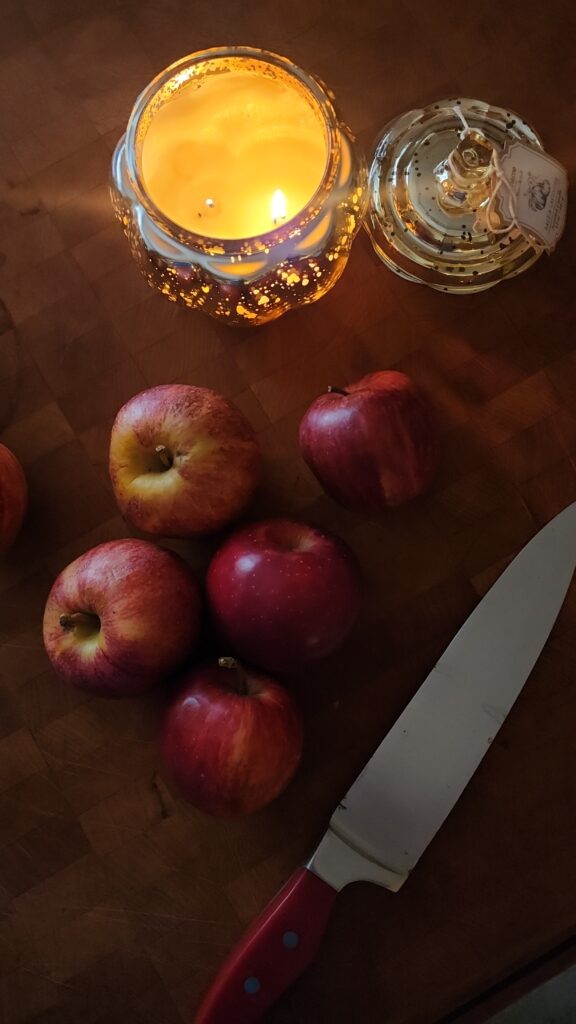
point(118, 901)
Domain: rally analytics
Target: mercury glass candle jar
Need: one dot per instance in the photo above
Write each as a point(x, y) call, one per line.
point(238, 186)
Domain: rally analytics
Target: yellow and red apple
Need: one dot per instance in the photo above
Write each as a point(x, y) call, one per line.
point(121, 617)
point(183, 461)
point(13, 498)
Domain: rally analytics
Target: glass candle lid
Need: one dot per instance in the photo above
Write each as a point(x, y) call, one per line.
point(432, 216)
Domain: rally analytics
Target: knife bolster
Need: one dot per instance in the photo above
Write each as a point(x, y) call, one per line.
point(338, 863)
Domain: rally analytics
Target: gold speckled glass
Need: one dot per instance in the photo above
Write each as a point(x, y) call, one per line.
point(245, 280)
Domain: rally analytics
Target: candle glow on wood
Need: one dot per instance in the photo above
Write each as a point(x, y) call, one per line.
point(234, 154)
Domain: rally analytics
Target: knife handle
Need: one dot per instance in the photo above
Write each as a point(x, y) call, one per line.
point(275, 950)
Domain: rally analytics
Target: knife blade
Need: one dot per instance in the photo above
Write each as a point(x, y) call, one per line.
point(409, 786)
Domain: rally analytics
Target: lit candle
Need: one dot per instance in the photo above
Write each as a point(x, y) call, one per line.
point(234, 154)
point(238, 185)
point(278, 206)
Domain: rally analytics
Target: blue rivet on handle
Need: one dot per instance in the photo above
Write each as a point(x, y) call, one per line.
point(252, 986)
point(290, 940)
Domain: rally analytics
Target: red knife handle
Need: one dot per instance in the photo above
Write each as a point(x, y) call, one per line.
point(275, 950)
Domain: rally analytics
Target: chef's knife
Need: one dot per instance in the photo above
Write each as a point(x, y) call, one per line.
point(410, 785)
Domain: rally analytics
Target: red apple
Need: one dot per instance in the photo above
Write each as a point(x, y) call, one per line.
point(283, 593)
point(13, 498)
point(183, 460)
point(232, 739)
point(121, 617)
point(372, 444)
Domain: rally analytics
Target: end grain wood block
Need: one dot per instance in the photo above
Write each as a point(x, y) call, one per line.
point(119, 900)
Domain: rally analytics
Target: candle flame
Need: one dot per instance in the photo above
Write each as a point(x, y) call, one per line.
point(278, 206)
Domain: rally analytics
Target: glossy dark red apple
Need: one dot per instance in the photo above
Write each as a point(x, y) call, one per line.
point(13, 498)
point(371, 445)
point(283, 593)
point(232, 739)
point(121, 617)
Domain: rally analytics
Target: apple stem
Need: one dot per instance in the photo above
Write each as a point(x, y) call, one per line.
point(164, 455)
point(336, 391)
point(241, 677)
point(79, 619)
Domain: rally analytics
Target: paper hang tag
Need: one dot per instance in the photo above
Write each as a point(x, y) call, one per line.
point(539, 185)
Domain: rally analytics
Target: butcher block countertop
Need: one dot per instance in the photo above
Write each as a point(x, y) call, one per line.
point(119, 901)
